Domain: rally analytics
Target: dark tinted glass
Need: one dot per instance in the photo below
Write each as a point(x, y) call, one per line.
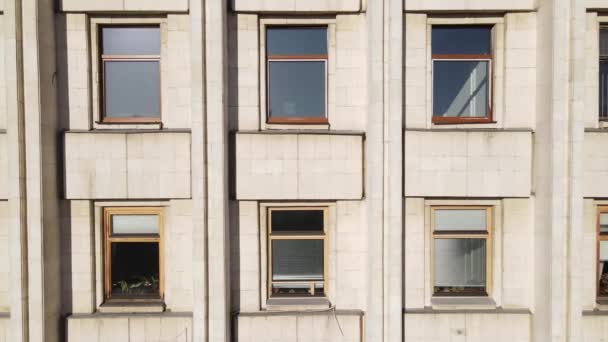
point(130, 40)
point(131, 89)
point(603, 269)
point(604, 42)
point(296, 89)
point(603, 88)
point(471, 40)
point(460, 88)
point(297, 220)
point(297, 260)
point(135, 269)
point(296, 41)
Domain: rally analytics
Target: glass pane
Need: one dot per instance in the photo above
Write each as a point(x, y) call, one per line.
point(470, 40)
point(297, 220)
point(132, 89)
point(604, 223)
point(130, 40)
point(460, 219)
point(460, 266)
point(135, 269)
point(296, 41)
point(301, 289)
point(603, 269)
point(604, 42)
point(135, 224)
point(603, 88)
point(460, 88)
point(296, 89)
point(297, 260)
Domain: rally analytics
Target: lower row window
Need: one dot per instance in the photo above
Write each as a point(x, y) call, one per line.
point(461, 241)
point(602, 253)
point(297, 244)
point(133, 249)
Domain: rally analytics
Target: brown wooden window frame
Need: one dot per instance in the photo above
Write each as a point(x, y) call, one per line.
point(466, 57)
point(108, 239)
point(487, 235)
point(600, 237)
point(603, 95)
point(103, 58)
point(296, 58)
point(297, 236)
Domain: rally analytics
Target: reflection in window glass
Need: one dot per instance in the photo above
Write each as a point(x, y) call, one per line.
point(460, 266)
point(603, 88)
point(603, 223)
point(297, 261)
point(296, 89)
point(132, 89)
point(130, 40)
point(135, 269)
point(460, 88)
point(298, 41)
point(459, 40)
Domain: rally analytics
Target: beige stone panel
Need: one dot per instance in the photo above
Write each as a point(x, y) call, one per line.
point(415, 70)
point(124, 5)
point(4, 260)
point(592, 70)
point(520, 70)
point(82, 252)
point(596, 4)
point(483, 164)
point(3, 166)
point(244, 78)
point(595, 161)
point(469, 327)
point(2, 77)
point(176, 102)
point(4, 327)
point(158, 165)
point(330, 167)
point(588, 255)
point(303, 327)
point(161, 327)
point(595, 328)
point(296, 5)
point(517, 247)
point(79, 70)
point(266, 166)
point(95, 165)
point(248, 258)
point(414, 253)
point(470, 5)
point(178, 256)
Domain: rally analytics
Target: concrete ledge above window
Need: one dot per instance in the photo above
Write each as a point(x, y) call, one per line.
point(463, 303)
point(319, 6)
point(124, 5)
point(468, 5)
point(297, 304)
point(132, 307)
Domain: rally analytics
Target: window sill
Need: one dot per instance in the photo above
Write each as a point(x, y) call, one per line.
point(124, 306)
point(459, 121)
point(297, 304)
point(463, 303)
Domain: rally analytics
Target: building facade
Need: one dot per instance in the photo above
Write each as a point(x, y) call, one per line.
point(303, 170)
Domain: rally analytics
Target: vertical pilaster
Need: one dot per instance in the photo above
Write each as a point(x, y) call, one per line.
point(13, 64)
point(199, 173)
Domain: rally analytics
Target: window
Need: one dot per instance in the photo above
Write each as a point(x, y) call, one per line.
point(462, 73)
point(296, 75)
point(602, 254)
point(297, 244)
point(130, 68)
point(603, 86)
point(133, 253)
point(461, 245)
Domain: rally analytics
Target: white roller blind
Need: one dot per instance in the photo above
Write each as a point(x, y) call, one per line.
point(135, 224)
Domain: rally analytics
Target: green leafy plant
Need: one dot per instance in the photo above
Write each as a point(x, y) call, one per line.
point(137, 285)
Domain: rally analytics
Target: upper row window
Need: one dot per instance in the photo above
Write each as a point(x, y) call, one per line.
point(130, 67)
point(462, 73)
point(603, 86)
point(296, 59)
